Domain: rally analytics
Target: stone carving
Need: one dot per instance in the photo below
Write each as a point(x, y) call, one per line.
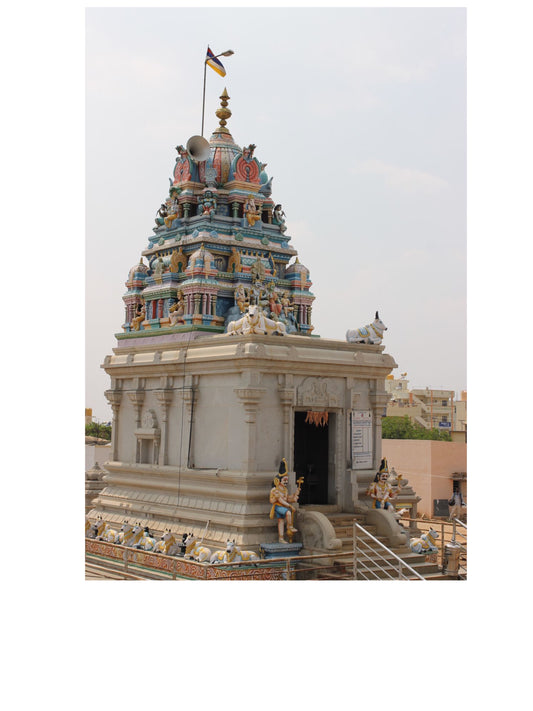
point(371, 333)
point(318, 392)
point(149, 420)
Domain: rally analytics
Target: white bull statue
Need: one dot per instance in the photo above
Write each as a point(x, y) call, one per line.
point(255, 321)
point(233, 554)
point(371, 333)
point(426, 543)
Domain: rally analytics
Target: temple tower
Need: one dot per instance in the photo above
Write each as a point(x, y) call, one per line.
point(202, 418)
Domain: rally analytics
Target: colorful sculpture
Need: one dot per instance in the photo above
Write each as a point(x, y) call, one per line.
point(279, 216)
point(145, 542)
point(195, 550)
point(140, 315)
point(178, 261)
point(234, 262)
point(251, 211)
point(207, 204)
point(282, 508)
point(371, 333)
point(177, 310)
point(425, 544)
point(168, 545)
point(241, 298)
point(380, 491)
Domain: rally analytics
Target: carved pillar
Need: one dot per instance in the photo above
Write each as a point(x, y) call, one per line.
point(137, 398)
point(378, 401)
point(114, 398)
point(165, 398)
point(287, 399)
point(189, 397)
point(250, 398)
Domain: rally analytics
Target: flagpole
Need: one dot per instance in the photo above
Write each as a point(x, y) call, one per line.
point(203, 99)
point(227, 53)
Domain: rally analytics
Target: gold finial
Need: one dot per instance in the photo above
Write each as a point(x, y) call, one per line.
point(223, 113)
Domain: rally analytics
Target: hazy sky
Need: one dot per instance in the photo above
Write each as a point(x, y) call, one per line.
point(360, 115)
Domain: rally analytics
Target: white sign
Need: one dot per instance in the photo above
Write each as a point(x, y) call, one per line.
point(362, 450)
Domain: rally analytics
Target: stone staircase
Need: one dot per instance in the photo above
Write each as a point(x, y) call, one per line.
point(343, 566)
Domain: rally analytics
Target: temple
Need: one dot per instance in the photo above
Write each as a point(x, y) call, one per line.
point(218, 374)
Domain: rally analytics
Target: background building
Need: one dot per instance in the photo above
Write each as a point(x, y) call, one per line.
point(428, 407)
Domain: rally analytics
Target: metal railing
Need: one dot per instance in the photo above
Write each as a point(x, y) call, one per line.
point(374, 561)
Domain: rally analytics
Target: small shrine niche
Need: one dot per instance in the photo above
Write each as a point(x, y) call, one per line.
point(148, 439)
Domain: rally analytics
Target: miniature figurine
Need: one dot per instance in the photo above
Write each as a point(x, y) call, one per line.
point(139, 317)
point(234, 262)
point(380, 490)
point(251, 211)
point(207, 204)
point(282, 508)
point(177, 310)
point(279, 216)
point(240, 298)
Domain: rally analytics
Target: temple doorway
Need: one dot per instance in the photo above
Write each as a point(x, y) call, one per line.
point(311, 459)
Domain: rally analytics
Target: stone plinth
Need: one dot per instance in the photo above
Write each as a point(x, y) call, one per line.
point(280, 550)
point(199, 429)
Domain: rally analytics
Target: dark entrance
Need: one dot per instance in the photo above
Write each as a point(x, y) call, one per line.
point(311, 459)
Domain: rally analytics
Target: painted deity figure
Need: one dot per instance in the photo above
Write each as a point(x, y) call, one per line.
point(279, 217)
point(380, 490)
point(240, 298)
point(274, 303)
point(140, 314)
point(177, 310)
point(251, 211)
point(282, 508)
point(234, 262)
point(159, 269)
point(173, 209)
point(161, 214)
point(208, 203)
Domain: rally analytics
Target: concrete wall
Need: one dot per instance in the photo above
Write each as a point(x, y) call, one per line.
point(96, 453)
point(428, 465)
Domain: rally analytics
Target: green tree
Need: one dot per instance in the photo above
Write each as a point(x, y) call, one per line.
point(397, 427)
point(97, 429)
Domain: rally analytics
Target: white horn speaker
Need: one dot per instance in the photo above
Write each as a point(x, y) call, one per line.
point(198, 148)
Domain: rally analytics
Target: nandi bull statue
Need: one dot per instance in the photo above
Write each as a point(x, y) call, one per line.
point(255, 321)
point(194, 549)
point(371, 333)
point(425, 544)
point(233, 554)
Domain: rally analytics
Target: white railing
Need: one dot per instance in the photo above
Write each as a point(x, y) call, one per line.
point(377, 562)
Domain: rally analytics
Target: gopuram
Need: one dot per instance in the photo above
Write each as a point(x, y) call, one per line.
point(218, 375)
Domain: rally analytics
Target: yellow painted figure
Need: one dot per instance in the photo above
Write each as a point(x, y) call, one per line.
point(282, 508)
point(380, 490)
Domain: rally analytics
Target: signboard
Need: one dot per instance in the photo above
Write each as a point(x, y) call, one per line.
point(445, 425)
point(362, 450)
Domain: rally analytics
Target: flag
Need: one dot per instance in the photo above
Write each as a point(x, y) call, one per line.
point(214, 63)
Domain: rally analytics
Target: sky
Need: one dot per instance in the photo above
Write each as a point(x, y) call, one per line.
point(360, 115)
